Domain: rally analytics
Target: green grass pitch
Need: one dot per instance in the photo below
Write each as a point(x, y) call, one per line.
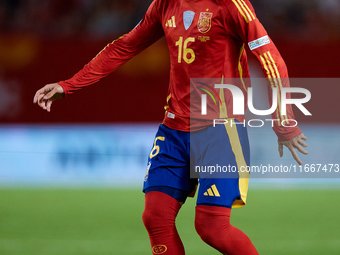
point(108, 221)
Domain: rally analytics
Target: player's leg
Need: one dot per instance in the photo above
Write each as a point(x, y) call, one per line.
point(159, 219)
point(213, 225)
point(225, 150)
point(166, 186)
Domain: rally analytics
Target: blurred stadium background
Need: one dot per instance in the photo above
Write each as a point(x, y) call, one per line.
point(70, 180)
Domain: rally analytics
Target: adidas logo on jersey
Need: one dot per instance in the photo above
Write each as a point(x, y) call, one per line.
point(212, 192)
point(171, 22)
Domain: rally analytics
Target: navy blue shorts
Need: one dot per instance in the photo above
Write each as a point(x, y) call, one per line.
point(216, 157)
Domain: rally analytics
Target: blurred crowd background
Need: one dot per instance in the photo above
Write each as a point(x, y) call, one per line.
point(44, 41)
point(71, 17)
point(300, 19)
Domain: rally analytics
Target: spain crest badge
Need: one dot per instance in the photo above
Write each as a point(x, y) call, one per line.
point(204, 22)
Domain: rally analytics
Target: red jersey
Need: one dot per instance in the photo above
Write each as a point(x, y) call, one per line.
point(206, 39)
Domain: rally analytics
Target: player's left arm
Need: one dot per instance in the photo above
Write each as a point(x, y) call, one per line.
point(250, 30)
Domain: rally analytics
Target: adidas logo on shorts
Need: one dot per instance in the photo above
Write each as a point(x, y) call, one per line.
point(212, 192)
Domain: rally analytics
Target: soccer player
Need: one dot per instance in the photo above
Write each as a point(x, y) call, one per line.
point(206, 39)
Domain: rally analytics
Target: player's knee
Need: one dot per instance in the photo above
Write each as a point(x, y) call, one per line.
point(203, 229)
point(155, 219)
point(150, 219)
point(202, 225)
point(209, 221)
point(160, 211)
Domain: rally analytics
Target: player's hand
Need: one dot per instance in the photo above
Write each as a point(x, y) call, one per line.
point(292, 144)
point(45, 96)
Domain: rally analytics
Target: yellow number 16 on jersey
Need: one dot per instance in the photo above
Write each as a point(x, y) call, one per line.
point(183, 47)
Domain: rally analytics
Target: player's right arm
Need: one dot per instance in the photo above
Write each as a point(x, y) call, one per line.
point(115, 54)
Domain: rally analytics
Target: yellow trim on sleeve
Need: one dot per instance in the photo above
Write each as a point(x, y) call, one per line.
point(247, 7)
point(271, 82)
point(280, 83)
point(270, 64)
point(240, 10)
point(244, 10)
point(277, 71)
point(267, 70)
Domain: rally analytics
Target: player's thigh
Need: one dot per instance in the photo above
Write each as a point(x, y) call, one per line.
point(220, 155)
point(168, 168)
